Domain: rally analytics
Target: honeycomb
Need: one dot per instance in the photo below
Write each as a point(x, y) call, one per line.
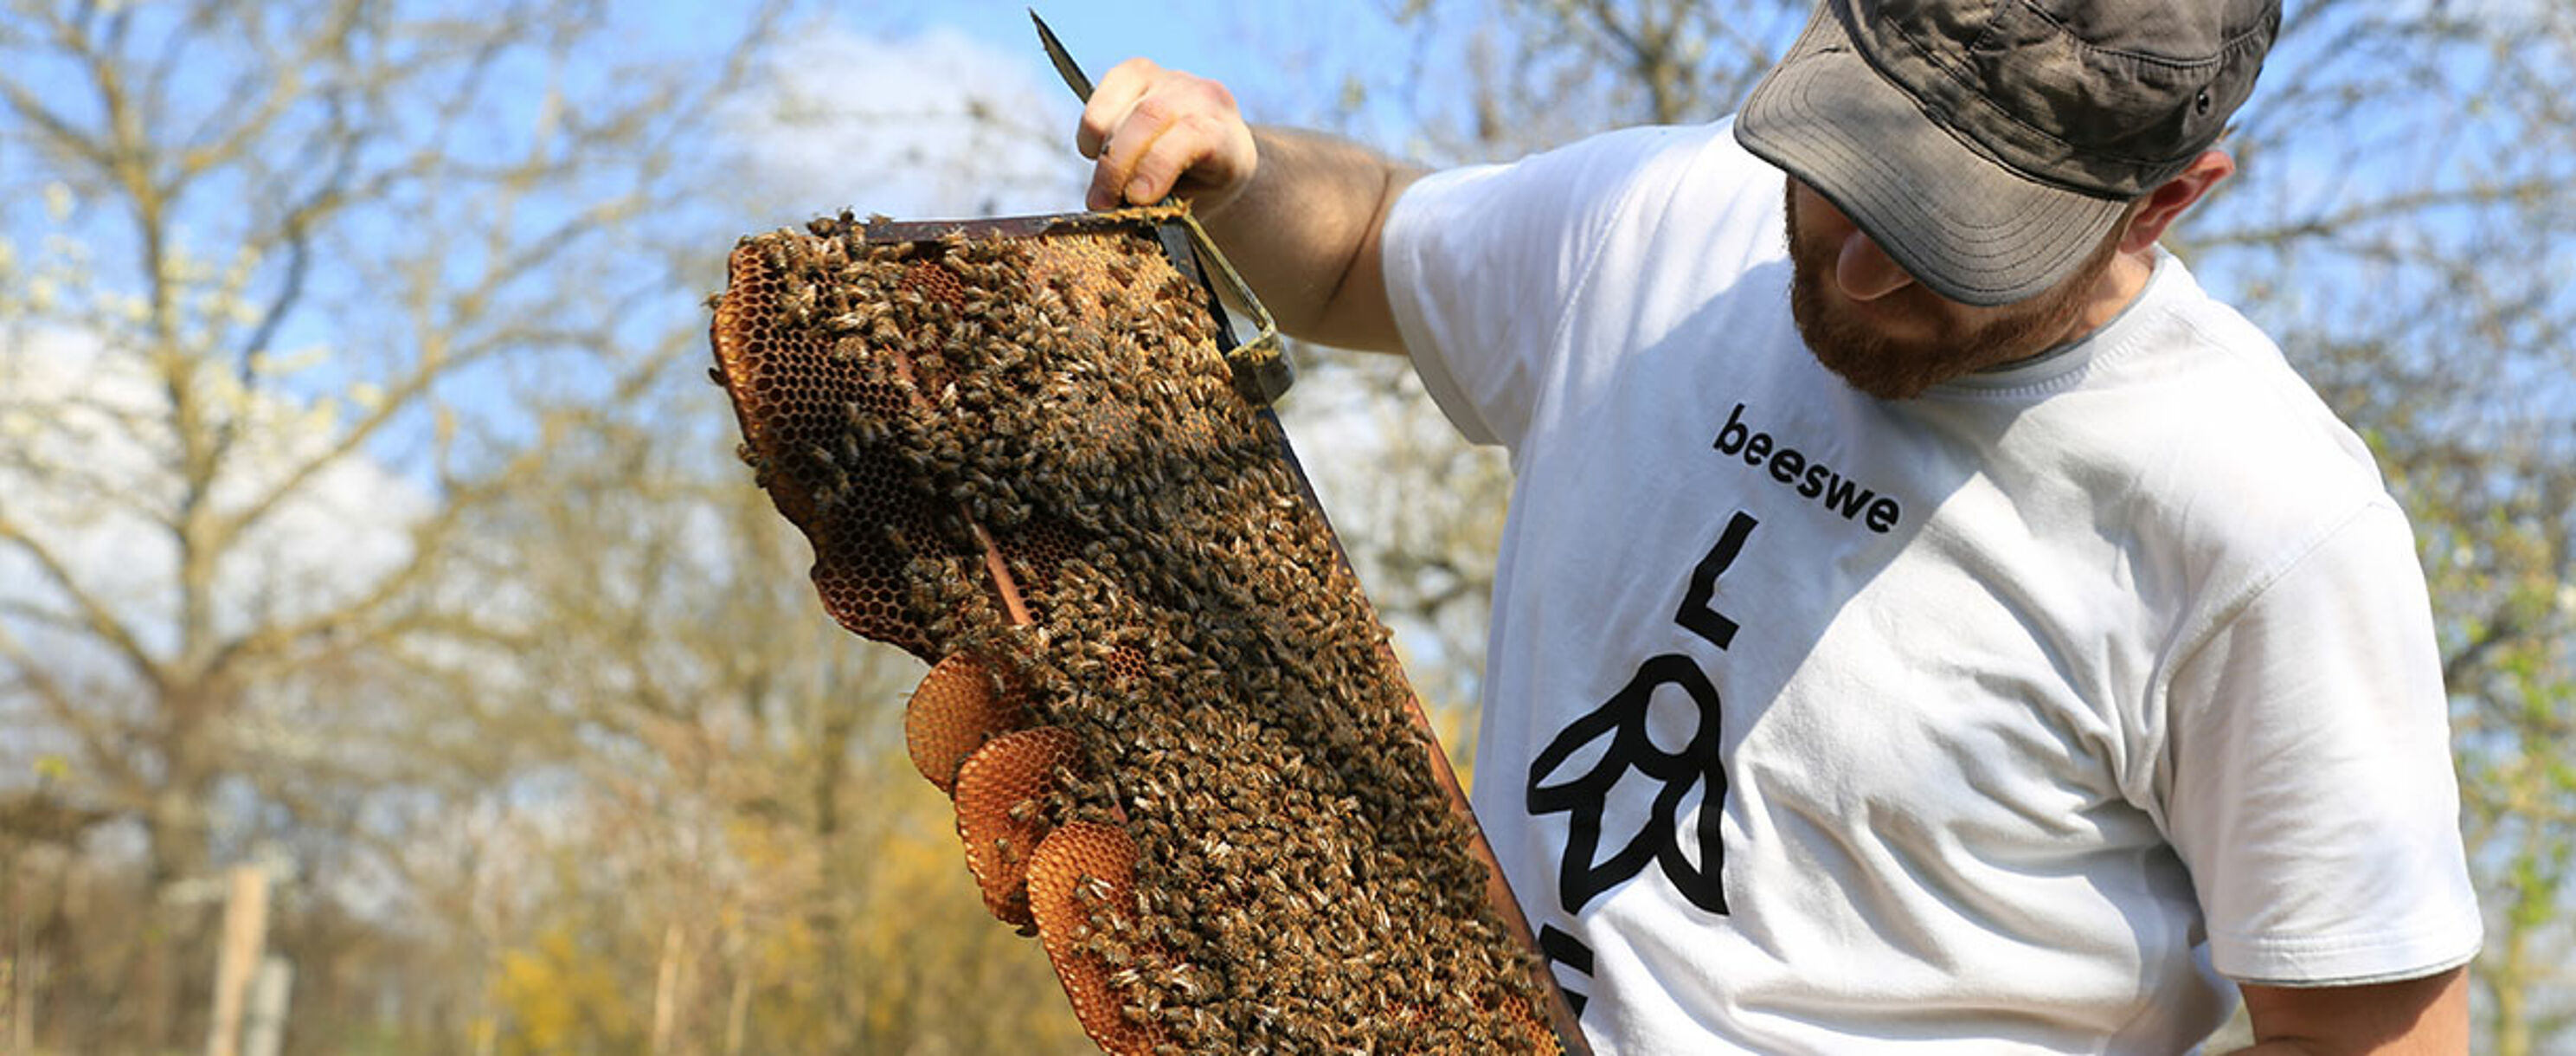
point(1179, 745)
point(997, 792)
point(955, 710)
point(1081, 882)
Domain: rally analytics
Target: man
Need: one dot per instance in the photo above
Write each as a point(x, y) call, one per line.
point(1927, 622)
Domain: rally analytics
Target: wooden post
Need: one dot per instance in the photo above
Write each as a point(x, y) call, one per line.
point(9, 1002)
point(665, 990)
point(245, 936)
point(738, 1011)
point(266, 1031)
point(17, 972)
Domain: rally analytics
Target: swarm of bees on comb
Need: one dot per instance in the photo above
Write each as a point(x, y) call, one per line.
point(1180, 747)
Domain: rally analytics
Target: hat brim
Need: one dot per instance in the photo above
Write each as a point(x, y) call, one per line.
point(1957, 220)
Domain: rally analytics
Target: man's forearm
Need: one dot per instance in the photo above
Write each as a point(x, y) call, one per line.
point(1304, 232)
point(2412, 1017)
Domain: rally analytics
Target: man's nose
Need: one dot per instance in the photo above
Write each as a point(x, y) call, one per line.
point(1865, 272)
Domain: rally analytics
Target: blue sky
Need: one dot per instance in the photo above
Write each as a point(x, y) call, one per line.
point(1270, 55)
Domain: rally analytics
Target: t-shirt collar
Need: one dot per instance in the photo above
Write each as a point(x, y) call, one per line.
point(2060, 358)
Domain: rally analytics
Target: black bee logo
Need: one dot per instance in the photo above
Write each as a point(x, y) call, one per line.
point(1582, 871)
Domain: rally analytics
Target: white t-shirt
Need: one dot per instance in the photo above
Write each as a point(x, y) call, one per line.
point(2027, 713)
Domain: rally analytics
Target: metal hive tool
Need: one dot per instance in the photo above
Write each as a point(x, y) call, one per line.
point(1179, 747)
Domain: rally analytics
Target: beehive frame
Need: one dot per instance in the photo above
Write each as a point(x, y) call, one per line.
point(1180, 746)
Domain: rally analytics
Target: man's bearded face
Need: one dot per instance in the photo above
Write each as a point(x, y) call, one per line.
point(1892, 337)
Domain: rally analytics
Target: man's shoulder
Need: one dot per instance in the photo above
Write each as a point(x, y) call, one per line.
point(1644, 146)
point(1684, 167)
point(2221, 440)
point(1663, 214)
point(1677, 214)
point(2253, 400)
point(1641, 163)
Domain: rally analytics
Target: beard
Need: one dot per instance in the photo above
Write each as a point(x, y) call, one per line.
point(1921, 339)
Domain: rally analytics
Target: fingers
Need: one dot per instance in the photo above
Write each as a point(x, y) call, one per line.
point(1110, 101)
point(1155, 131)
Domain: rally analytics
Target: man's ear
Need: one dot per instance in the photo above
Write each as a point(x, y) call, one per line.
point(2162, 206)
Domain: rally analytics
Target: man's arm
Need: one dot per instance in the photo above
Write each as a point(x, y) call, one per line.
point(2428, 1016)
point(1298, 213)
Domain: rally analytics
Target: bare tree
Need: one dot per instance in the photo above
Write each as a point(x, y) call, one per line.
point(476, 218)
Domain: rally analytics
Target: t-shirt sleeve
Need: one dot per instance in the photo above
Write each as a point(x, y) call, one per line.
point(1484, 262)
point(2312, 792)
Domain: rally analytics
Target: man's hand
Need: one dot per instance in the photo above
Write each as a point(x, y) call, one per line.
point(1157, 132)
point(1299, 213)
point(2428, 1016)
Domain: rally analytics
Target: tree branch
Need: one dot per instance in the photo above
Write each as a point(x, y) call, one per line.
point(96, 738)
point(96, 618)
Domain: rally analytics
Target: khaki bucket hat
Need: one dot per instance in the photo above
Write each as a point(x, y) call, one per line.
point(1989, 145)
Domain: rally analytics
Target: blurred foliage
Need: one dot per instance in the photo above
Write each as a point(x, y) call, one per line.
point(565, 998)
